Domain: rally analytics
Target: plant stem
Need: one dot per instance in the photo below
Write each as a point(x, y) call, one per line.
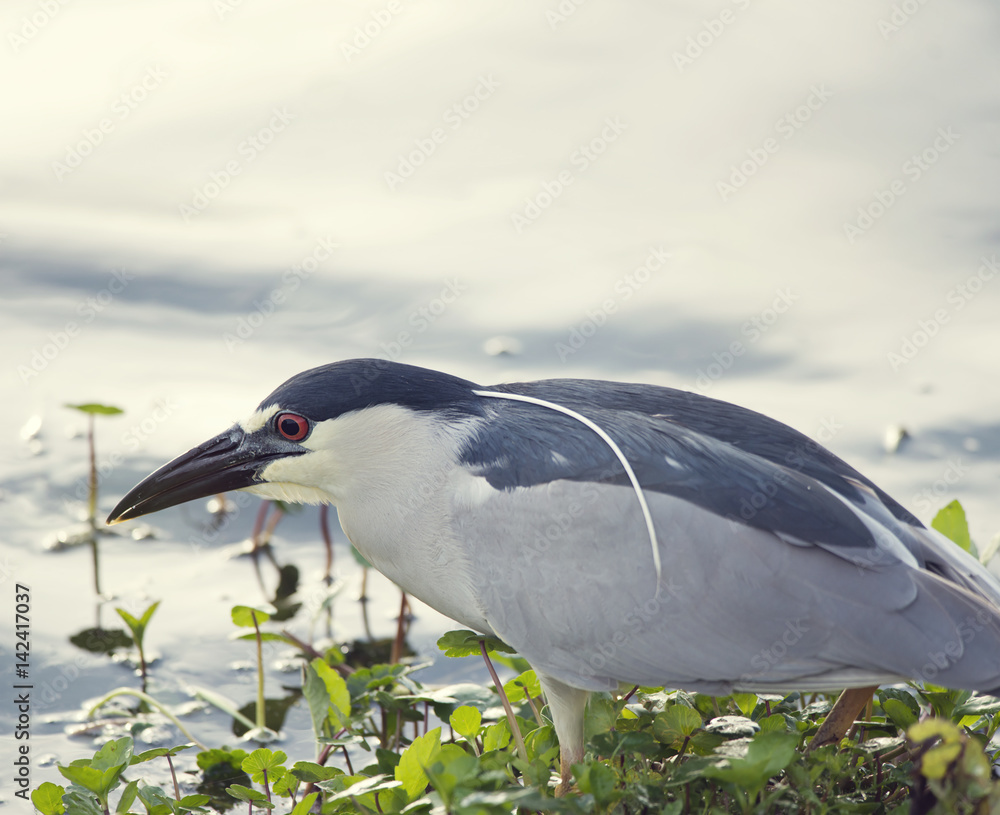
point(92, 502)
point(173, 775)
point(92, 499)
point(149, 700)
point(261, 716)
point(511, 719)
point(397, 644)
point(94, 558)
point(142, 666)
point(324, 530)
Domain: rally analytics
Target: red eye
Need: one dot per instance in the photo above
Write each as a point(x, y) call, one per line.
point(292, 426)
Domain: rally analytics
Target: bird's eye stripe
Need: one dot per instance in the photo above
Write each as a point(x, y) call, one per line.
point(292, 426)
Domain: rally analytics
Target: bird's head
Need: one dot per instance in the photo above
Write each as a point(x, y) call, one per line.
point(307, 440)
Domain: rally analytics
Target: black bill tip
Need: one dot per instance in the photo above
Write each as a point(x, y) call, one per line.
point(230, 461)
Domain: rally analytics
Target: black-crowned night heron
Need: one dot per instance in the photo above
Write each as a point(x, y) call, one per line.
point(614, 533)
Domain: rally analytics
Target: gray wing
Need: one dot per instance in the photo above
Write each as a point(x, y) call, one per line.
point(771, 576)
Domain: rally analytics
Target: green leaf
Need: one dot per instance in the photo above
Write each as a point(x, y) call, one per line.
point(137, 626)
point(600, 715)
point(934, 728)
point(422, 752)
point(309, 772)
point(113, 755)
point(327, 695)
point(746, 702)
point(265, 636)
point(899, 712)
point(767, 755)
point(227, 706)
point(262, 759)
point(85, 776)
point(212, 758)
point(283, 782)
point(466, 721)
point(130, 621)
point(80, 802)
point(365, 786)
point(305, 805)
point(521, 686)
point(936, 761)
point(241, 793)
point(773, 723)
point(496, 736)
point(158, 752)
point(599, 780)
point(154, 799)
point(950, 522)
point(464, 643)
point(128, 796)
point(675, 724)
point(94, 407)
point(454, 768)
point(541, 744)
point(977, 706)
point(243, 616)
point(48, 798)
point(148, 614)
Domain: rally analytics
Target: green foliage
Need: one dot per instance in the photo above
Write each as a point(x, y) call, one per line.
point(466, 643)
point(766, 756)
point(466, 721)
point(95, 408)
point(332, 693)
point(381, 748)
point(950, 522)
point(48, 799)
point(244, 616)
point(651, 756)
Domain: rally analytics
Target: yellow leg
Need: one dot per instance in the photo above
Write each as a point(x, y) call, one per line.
point(845, 712)
point(566, 763)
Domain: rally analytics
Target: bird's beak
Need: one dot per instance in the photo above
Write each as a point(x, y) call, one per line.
point(230, 461)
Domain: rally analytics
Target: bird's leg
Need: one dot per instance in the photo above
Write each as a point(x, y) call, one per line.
point(567, 706)
point(567, 758)
point(844, 713)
